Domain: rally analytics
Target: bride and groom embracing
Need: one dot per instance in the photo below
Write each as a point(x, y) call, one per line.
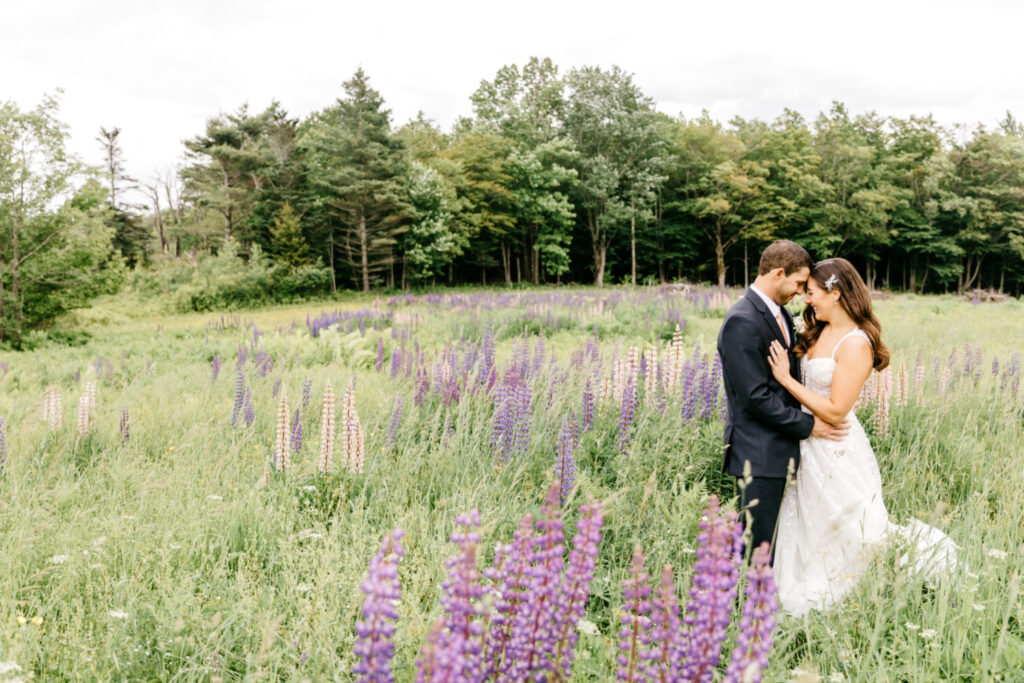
point(790, 409)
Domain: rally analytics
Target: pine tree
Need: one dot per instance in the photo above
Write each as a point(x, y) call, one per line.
point(354, 159)
point(286, 239)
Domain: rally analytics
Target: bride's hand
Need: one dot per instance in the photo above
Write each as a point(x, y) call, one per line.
point(778, 359)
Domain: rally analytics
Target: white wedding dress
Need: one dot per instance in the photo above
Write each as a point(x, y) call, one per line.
point(833, 520)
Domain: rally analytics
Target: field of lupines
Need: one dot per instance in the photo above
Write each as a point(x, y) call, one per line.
point(503, 484)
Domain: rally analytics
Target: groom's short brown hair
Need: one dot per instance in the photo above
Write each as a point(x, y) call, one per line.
point(784, 254)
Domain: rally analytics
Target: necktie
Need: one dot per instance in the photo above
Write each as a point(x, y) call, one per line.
point(782, 326)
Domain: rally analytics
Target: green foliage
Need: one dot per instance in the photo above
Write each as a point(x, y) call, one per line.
point(286, 239)
point(226, 281)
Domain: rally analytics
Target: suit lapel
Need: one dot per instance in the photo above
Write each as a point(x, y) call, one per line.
point(773, 325)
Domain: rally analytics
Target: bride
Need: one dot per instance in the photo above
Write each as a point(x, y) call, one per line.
point(833, 519)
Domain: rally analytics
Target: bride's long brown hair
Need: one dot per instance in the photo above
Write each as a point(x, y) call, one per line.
point(855, 300)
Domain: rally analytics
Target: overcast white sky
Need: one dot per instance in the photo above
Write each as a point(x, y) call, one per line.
point(159, 69)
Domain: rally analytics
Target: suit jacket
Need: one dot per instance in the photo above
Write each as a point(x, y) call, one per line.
point(764, 424)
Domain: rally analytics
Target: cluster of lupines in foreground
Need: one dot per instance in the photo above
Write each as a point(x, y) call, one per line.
point(519, 619)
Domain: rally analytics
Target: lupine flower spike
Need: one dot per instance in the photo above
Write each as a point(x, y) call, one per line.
point(374, 645)
point(282, 437)
point(750, 656)
point(327, 430)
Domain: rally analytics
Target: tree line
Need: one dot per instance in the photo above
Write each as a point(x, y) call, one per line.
point(556, 177)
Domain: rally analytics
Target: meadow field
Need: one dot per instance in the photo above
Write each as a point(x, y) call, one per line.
point(157, 524)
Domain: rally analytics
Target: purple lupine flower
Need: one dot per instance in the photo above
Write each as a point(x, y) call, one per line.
point(588, 407)
point(713, 591)
point(215, 367)
point(375, 630)
point(565, 462)
point(441, 658)
point(626, 414)
point(249, 413)
point(239, 397)
point(710, 388)
point(634, 636)
point(422, 387)
point(396, 362)
point(393, 424)
point(689, 400)
point(242, 355)
point(575, 587)
point(532, 645)
point(666, 634)
point(511, 577)
point(750, 655)
point(307, 392)
point(125, 429)
point(523, 416)
point(296, 432)
point(380, 354)
point(462, 591)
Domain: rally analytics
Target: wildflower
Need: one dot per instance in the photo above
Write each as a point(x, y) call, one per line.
point(52, 407)
point(353, 443)
point(575, 587)
point(327, 430)
point(929, 633)
point(282, 440)
point(978, 607)
point(22, 620)
point(239, 397)
point(750, 656)
point(215, 368)
point(58, 559)
point(713, 591)
point(996, 553)
point(117, 614)
point(634, 636)
point(296, 433)
point(393, 424)
point(910, 626)
point(37, 620)
point(565, 463)
point(125, 428)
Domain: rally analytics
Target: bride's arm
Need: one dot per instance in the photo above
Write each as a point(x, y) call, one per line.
point(853, 365)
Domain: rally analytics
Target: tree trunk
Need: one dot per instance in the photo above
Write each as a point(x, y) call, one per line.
point(599, 260)
point(364, 251)
point(746, 264)
point(632, 247)
point(519, 271)
point(330, 254)
point(720, 261)
point(506, 262)
point(536, 265)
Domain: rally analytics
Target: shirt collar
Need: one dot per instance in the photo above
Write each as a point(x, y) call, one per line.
point(773, 307)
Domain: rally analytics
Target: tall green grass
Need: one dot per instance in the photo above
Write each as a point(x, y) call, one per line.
point(170, 558)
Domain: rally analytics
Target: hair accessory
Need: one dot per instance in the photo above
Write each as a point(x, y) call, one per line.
point(831, 282)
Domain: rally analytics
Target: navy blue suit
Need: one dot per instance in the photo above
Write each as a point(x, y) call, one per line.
point(765, 424)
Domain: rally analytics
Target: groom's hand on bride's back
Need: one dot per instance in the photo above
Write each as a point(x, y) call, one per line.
point(826, 430)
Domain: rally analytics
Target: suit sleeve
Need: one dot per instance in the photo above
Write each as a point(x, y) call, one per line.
point(746, 370)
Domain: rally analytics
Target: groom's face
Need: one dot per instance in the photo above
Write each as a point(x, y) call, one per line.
point(788, 286)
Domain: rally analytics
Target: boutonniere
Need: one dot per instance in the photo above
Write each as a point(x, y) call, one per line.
point(799, 325)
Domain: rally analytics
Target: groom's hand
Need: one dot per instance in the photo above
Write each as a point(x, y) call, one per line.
point(825, 430)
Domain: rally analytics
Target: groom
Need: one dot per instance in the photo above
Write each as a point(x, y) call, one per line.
point(765, 424)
